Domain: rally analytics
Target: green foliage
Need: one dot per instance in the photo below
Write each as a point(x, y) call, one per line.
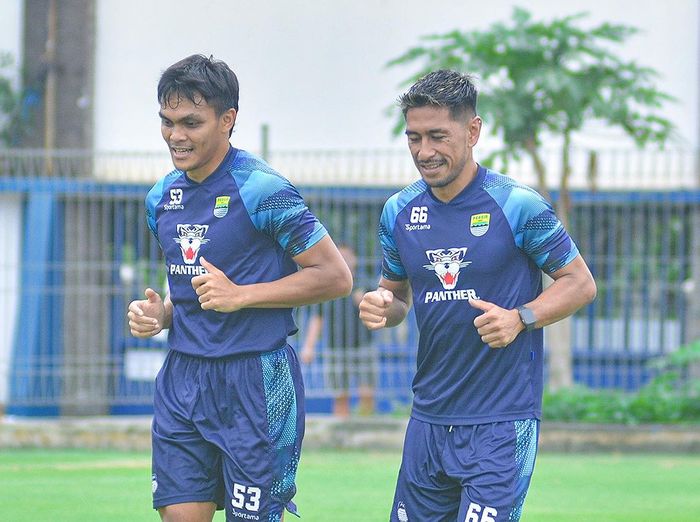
point(9, 104)
point(538, 78)
point(671, 397)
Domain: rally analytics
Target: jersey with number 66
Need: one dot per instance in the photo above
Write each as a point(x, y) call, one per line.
point(491, 242)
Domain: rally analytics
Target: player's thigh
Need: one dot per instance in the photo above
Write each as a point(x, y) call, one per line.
point(423, 491)
point(186, 467)
point(497, 475)
point(188, 512)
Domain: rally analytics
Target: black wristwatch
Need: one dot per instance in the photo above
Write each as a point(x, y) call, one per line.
point(528, 318)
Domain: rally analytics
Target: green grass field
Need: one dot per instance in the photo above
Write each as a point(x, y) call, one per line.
point(70, 486)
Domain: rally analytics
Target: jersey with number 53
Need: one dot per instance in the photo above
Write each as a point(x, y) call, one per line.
point(249, 222)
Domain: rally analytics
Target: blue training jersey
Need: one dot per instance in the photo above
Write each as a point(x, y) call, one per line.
point(490, 242)
point(249, 222)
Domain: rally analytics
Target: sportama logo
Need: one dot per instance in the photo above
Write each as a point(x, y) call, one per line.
point(191, 238)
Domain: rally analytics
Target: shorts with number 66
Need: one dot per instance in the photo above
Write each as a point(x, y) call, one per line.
point(478, 473)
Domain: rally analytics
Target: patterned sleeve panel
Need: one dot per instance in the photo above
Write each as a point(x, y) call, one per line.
point(277, 209)
point(392, 267)
point(536, 229)
point(154, 196)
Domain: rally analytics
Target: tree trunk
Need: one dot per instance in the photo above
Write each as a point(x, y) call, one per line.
point(558, 335)
point(564, 203)
point(592, 170)
point(693, 295)
point(558, 341)
point(540, 170)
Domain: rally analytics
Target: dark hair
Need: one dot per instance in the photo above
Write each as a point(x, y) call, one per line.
point(443, 88)
point(197, 76)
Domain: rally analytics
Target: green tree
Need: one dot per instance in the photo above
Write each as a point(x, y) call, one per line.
point(541, 81)
point(10, 121)
point(538, 80)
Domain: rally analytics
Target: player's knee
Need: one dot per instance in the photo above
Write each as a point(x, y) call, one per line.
point(188, 512)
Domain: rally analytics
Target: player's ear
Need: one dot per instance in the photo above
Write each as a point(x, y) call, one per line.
point(474, 130)
point(228, 119)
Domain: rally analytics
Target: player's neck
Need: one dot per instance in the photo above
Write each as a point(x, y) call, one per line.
point(448, 192)
point(202, 173)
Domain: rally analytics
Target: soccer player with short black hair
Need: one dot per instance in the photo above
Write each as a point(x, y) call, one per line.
point(466, 246)
point(241, 250)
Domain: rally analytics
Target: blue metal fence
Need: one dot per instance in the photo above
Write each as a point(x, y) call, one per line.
point(87, 252)
point(639, 246)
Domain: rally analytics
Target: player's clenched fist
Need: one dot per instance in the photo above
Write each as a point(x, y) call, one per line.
point(374, 308)
point(146, 316)
point(216, 291)
point(497, 326)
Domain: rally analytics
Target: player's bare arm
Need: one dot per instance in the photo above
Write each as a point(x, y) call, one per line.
point(387, 306)
point(323, 275)
point(147, 317)
point(573, 287)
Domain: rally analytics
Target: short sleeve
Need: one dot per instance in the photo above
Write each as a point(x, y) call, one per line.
point(277, 209)
point(392, 267)
point(538, 231)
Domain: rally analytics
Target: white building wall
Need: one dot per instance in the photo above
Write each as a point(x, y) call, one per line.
point(314, 71)
point(11, 34)
point(11, 219)
point(10, 209)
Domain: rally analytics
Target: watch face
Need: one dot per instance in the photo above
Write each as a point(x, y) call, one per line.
point(527, 316)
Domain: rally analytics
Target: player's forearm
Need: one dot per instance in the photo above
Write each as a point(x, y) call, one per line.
point(309, 285)
point(562, 298)
point(398, 310)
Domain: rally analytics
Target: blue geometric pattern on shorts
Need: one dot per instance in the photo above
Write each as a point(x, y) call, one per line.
point(525, 453)
point(280, 396)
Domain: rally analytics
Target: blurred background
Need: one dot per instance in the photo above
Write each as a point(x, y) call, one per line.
point(594, 103)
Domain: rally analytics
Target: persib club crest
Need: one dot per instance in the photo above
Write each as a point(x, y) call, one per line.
point(479, 224)
point(446, 264)
point(401, 512)
point(221, 206)
point(191, 238)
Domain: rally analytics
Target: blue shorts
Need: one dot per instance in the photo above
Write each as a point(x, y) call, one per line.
point(477, 473)
point(228, 431)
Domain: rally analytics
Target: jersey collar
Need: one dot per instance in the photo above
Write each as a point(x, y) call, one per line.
point(472, 186)
point(220, 171)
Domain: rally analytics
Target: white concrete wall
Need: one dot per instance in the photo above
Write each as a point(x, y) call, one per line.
point(11, 219)
point(314, 70)
point(10, 215)
point(11, 33)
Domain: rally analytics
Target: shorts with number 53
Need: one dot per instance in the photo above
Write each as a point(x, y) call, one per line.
point(229, 431)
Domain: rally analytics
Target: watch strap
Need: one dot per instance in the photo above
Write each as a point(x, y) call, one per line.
point(527, 317)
